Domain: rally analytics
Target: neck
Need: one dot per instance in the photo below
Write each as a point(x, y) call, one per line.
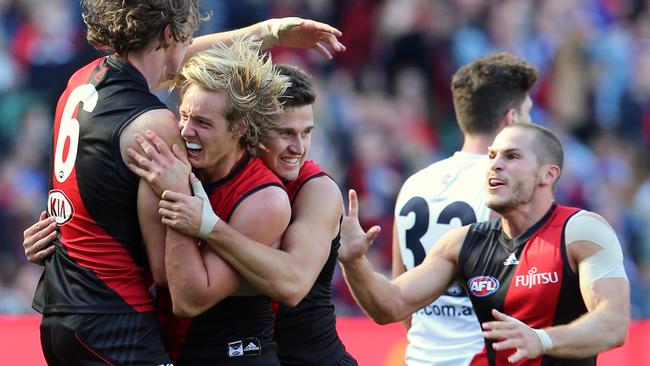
point(222, 168)
point(523, 217)
point(150, 64)
point(477, 144)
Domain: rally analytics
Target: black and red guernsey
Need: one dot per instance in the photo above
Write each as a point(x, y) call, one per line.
point(100, 264)
point(204, 339)
point(306, 334)
point(528, 278)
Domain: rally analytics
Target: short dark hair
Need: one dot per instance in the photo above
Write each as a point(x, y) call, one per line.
point(125, 26)
point(546, 145)
point(486, 88)
point(301, 92)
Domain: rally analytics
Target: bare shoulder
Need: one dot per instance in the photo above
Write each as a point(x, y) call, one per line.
point(161, 121)
point(319, 194)
point(263, 215)
point(270, 200)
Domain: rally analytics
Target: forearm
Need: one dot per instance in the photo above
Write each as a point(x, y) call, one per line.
point(271, 271)
point(590, 334)
point(207, 41)
point(187, 274)
point(373, 291)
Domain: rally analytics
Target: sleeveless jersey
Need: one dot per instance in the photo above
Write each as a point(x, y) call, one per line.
point(306, 334)
point(447, 194)
point(528, 277)
point(100, 265)
point(205, 339)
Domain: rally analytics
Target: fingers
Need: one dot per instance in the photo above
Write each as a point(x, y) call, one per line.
point(148, 149)
point(323, 51)
point(179, 153)
point(353, 205)
point(142, 160)
point(172, 196)
point(38, 226)
point(137, 170)
point(325, 28)
point(193, 179)
point(42, 216)
point(372, 233)
point(332, 41)
point(517, 356)
point(160, 145)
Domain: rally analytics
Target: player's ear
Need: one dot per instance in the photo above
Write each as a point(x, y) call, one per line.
point(510, 118)
point(551, 174)
point(240, 129)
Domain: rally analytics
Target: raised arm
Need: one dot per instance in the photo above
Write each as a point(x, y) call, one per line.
point(164, 123)
point(389, 301)
point(593, 249)
point(290, 32)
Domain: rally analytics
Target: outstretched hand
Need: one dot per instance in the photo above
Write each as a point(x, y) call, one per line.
point(303, 33)
point(354, 241)
point(163, 168)
point(512, 333)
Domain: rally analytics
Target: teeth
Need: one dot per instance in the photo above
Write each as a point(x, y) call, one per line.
point(290, 160)
point(193, 145)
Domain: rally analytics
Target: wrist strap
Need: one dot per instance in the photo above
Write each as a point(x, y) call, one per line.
point(208, 218)
point(547, 342)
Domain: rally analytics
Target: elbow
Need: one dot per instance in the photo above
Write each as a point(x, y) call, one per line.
point(290, 295)
point(619, 336)
point(189, 306)
point(159, 279)
point(384, 319)
point(186, 310)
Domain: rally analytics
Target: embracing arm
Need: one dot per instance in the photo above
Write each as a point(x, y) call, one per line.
point(389, 301)
point(164, 123)
point(398, 268)
point(199, 278)
point(287, 275)
point(290, 32)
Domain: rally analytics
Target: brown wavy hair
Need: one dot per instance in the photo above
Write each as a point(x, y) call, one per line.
point(125, 26)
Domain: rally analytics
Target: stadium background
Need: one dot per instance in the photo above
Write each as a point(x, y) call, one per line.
point(384, 107)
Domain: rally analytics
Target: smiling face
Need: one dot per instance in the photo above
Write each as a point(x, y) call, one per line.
point(287, 147)
point(514, 173)
point(207, 134)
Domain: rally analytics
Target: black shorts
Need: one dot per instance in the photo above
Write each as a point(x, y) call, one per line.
point(103, 339)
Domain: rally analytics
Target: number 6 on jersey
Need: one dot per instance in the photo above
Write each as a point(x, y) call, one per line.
point(69, 130)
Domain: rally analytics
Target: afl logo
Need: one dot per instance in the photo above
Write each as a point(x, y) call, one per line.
point(59, 206)
point(482, 286)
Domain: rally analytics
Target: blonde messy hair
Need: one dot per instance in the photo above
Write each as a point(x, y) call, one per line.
point(252, 85)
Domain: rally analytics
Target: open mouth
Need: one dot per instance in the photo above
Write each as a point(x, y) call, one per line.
point(494, 183)
point(193, 148)
point(290, 160)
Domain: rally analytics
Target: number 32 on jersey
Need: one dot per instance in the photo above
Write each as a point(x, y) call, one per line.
point(418, 228)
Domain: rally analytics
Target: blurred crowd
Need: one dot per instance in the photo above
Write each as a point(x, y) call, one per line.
point(384, 107)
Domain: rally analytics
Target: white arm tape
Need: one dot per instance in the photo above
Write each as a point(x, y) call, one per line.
point(271, 29)
point(547, 342)
point(605, 263)
point(208, 218)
